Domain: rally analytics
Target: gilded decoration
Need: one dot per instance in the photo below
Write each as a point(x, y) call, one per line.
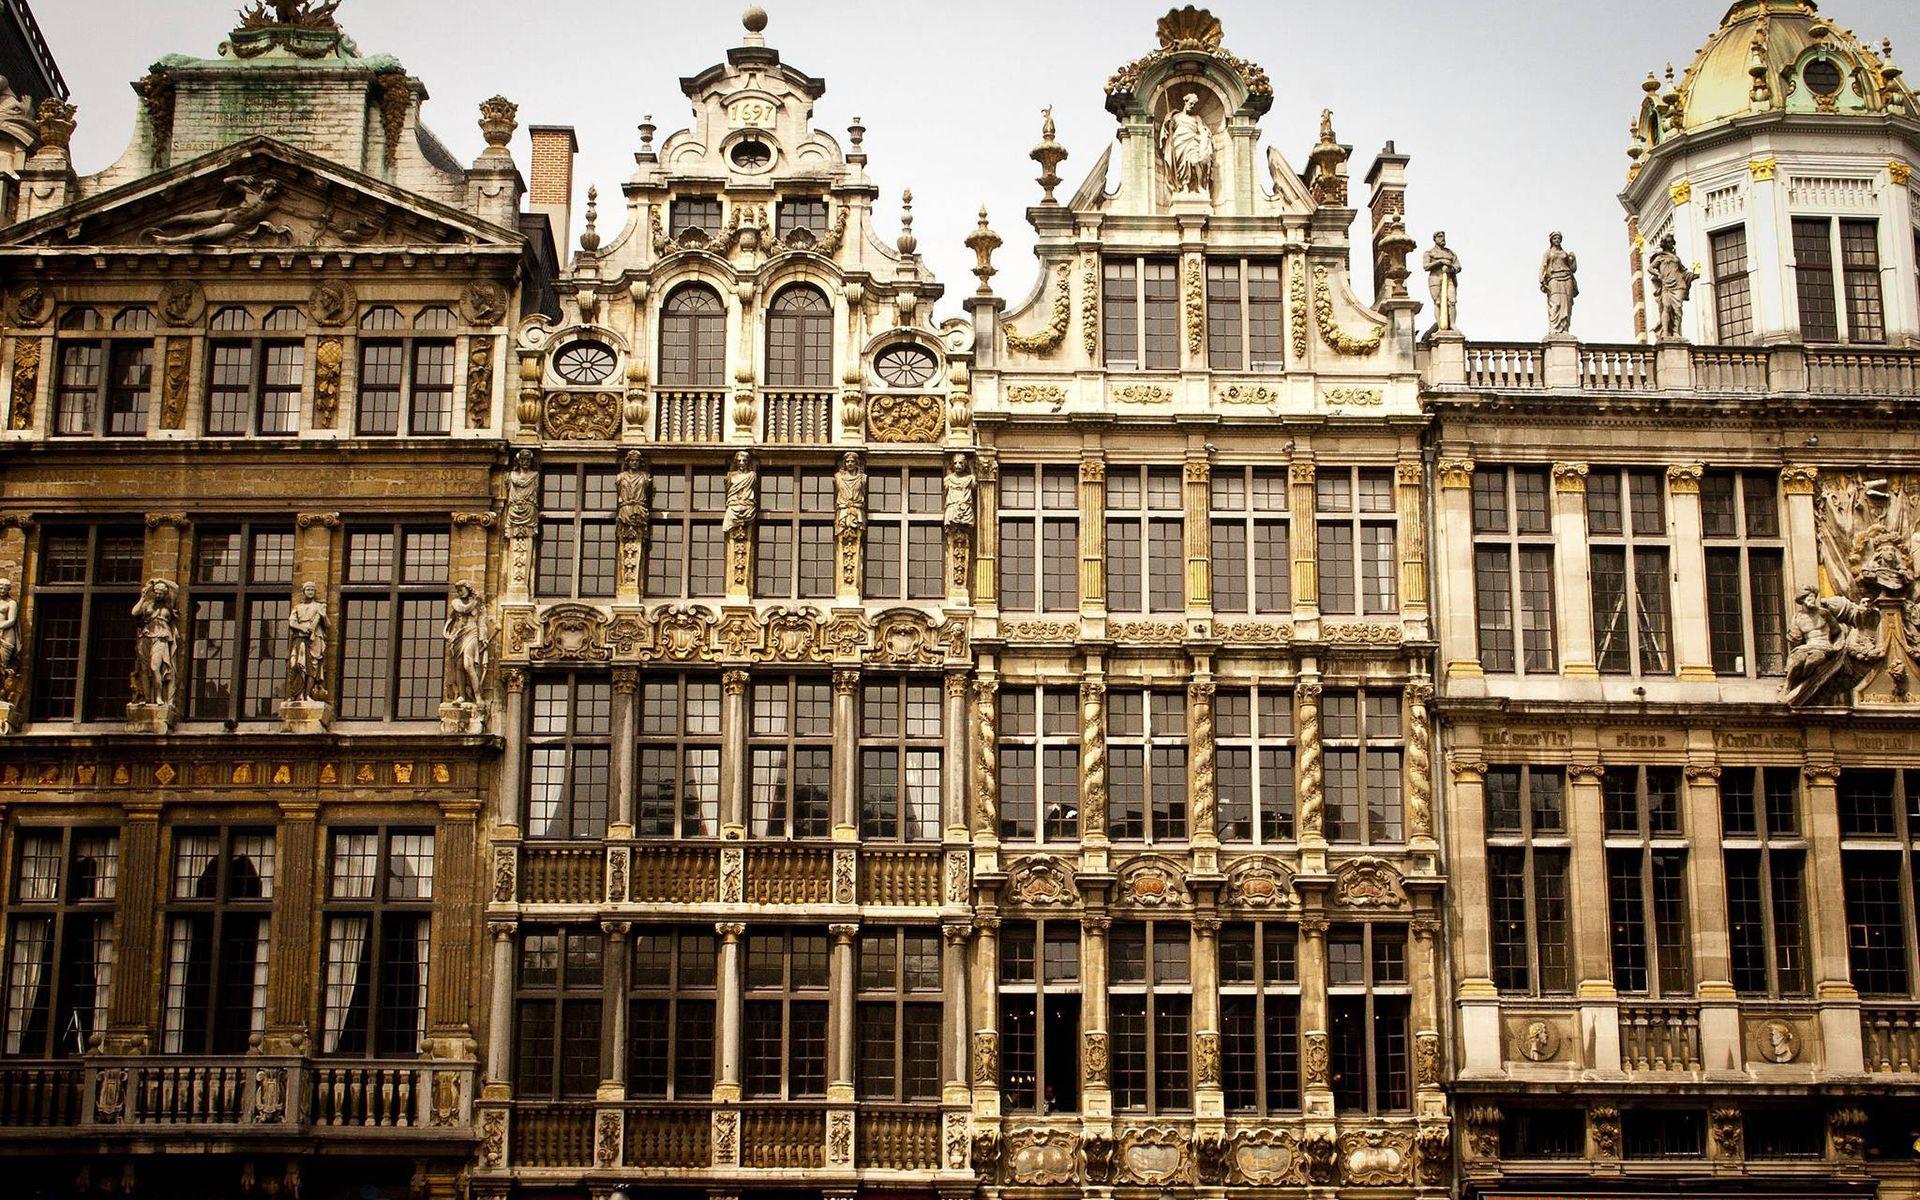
point(26, 382)
point(1098, 1149)
point(986, 762)
point(1570, 478)
point(1362, 633)
point(904, 419)
point(1149, 633)
point(1312, 767)
point(1355, 397)
point(1419, 771)
point(1093, 755)
point(1152, 882)
point(1368, 883)
point(1196, 299)
point(1849, 640)
point(327, 357)
point(1798, 479)
point(1048, 339)
point(581, 416)
point(1255, 633)
point(1143, 393)
point(1297, 309)
point(1189, 30)
point(1776, 1041)
point(1155, 1156)
point(1041, 880)
point(906, 637)
point(479, 382)
point(1037, 393)
point(182, 302)
point(1264, 1158)
point(1536, 1040)
point(1096, 1058)
point(1042, 1157)
point(1040, 631)
point(1090, 308)
point(1455, 473)
point(1247, 393)
point(572, 633)
point(681, 633)
point(174, 375)
point(1762, 169)
point(1260, 883)
point(1332, 335)
point(31, 305)
point(1376, 1157)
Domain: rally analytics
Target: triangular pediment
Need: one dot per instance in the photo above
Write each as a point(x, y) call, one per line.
point(256, 196)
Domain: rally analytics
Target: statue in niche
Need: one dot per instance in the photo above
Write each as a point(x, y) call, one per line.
point(245, 218)
point(1557, 282)
point(634, 486)
point(16, 116)
point(307, 646)
point(1187, 148)
point(1672, 284)
point(742, 503)
point(523, 496)
point(1443, 281)
point(156, 624)
point(9, 638)
point(849, 496)
point(959, 494)
point(467, 637)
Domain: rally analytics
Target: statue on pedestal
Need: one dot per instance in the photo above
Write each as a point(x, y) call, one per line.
point(307, 647)
point(1443, 281)
point(1187, 148)
point(156, 624)
point(1557, 270)
point(468, 639)
point(1672, 284)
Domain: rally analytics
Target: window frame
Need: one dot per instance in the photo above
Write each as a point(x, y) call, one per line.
point(1643, 556)
point(678, 734)
point(1162, 1068)
point(1039, 573)
point(1365, 743)
point(1732, 290)
point(799, 341)
point(566, 997)
point(910, 751)
point(1233, 306)
point(1258, 743)
point(682, 996)
point(1248, 527)
point(386, 913)
point(1050, 726)
point(786, 994)
point(1667, 961)
point(579, 538)
point(1157, 581)
point(1850, 288)
point(1270, 993)
point(1023, 999)
point(1374, 586)
point(394, 599)
point(904, 1003)
point(68, 917)
point(577, 742)
point(426, 333)
point(815, 741)
point(1377, 1062)
point(258, 339)
point(258, 611)
point(793, 545)
point(1763, 650)
point(1153, 314)
point(1531, 838)
point(108, 401)
point(1778, 850)
point(219, 911)
point(1895, 836)
point(701, 333)
point(102, 614)
point(1163, 759)
point(915, 563)
point(686, 531)
point(1522, 550)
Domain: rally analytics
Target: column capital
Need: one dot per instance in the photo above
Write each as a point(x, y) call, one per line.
point(515, 679)
point(1797, 479)
point(730, 931)
point(502, 930)
point(1570, 477)
point(617, 930)
point(1583, 770)
point(1466, 768)
point(626, 680)
point(1683, 479)
point(956, 934)
point(1093, 470)
point(1456, 474)
point(956, 685)
point(1822, 772)
point(844, 933)
point(735, 682)
point(846, 680)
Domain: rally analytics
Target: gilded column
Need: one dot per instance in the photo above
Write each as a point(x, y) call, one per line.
point(1302, 512)
point(132, 1013)
point(613, 1051)
point(1467, 893)
point(500, 1012)
point(1097, 1057)
point(620, 783)
point(1587, 900)
point(1201, 797)
point(1209, 1100)
point(985, 765)
point(953, 783)
point(290, 952)
point(503, 808)
point(733, 774)
point(1692, 647)
point(1797, 483)
point(1454, 593)
point(1574, 614)
point(986, 536)
point(840, 1039)
point(1827, 913)
point(1315, 1067)
point(1198, 536)
point(1093, 536)
point(1309, 773)
point(1093, 756)
point(1411, 500)
point(726, 1089)
point(844, 780)
point(1418, 782)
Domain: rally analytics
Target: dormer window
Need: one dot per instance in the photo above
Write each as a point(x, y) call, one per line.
point(807, 214)
point(406, 377)
point(904, 365)
point(694, 212)
point(1821, 276)
point(1140, 314)
point(1823, 78)
point(751, 156)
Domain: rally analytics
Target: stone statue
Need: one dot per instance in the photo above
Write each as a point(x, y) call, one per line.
point(1557, 270)
point(292, 14)
point(1443, 281)
point(742, 502)
point(9, 638)
point(634, 489)
point(849, 496)
point(244, 218)
point(1276, 167)
point(1818, 640)
point(1186, 149)
point(468, 645)
point(16, 116)
point(959, 488)
point(523, 496)
point(307, 646)
point(1672, 284)
point(156, 625)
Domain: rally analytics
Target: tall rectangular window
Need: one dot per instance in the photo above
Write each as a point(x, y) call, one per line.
point(1647, 880)
point(1732, 290)
point(1355, 526)
point(254, 383)
point(1039, 998)
point(686, 548)
point(1821, 275)
point(379, 901)
point(394, 613)
point(105, 378)
point(1146, 553)
point(60, 936)
point(1632, 596)
point(1813, 279)
point(218, 915)
point(577, 545)
point(1746, 592)
point(1527, 861)
point(1140, 314)
point(1362, 735)
point(898, 1014)
point(1252, 558)
point(1880, 837)
point(1147, 765)
point(678, 773)
point(1243, 315)
point(793, 556)
point(791, 758)
point(84, 638)
point(1150, 1009)
point(671, 998)
point(904, 556)
point(1039, 751)
point(1765, 851)
point(241, 581)
point(784, 1027)
point(1370, 1035)
point(1039, 539)
point(1513, 569)
point(901, 743)
point(1260, 1017)
point(1860, 269)
point(1253, 733)
point(569, 756)
point(557, 1014)
point(406, 382)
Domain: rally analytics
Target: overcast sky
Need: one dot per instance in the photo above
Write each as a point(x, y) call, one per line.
point(1515, 112)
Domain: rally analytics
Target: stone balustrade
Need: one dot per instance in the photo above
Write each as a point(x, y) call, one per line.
point(1660, 1037)
point(1631, 368)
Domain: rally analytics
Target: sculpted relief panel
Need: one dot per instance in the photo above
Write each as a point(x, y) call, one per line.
point(1849, 640)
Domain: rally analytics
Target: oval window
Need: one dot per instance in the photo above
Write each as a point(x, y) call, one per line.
point(750, 155)
point(1823, 77)
point(584, 363)
point(904, 365)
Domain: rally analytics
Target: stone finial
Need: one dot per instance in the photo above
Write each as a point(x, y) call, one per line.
point(590, 236)
point(856, 135)
point(1049, 154)
point(56, 125)
point(499, 117)
point(907, 243)
point(983, 242)
point(645, 153)
point(754, 20)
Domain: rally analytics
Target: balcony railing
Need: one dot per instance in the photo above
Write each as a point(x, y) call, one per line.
point(898, 1140)
point(40, 1094)
point(669, 1136)
point(561, 874)
point(798, 417)
point(900, 877)
point(1491, 365)
point(1724, 369)
point(789, 875)
point(1616, 368)
point(676, 875)
point(1890, 1038)
point(1660, 1037)
point(382, 1097)
point(1863, 372)
point(786, 1138)
point(683, 416)
point(551, 1135)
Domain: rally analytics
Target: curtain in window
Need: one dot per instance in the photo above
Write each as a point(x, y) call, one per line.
point(346, 957)
point(27, 978)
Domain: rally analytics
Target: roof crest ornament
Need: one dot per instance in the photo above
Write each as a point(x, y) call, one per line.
point(1188, 30)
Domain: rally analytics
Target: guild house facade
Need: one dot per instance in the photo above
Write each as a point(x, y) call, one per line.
point(499, 700)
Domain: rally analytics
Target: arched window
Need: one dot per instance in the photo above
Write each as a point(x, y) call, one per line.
point(693, 339)
point(800, 340)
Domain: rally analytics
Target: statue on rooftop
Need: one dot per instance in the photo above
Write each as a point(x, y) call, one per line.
point(1557, 270)
point(1186, 148)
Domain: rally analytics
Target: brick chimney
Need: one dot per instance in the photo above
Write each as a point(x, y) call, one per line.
point(550, 181)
